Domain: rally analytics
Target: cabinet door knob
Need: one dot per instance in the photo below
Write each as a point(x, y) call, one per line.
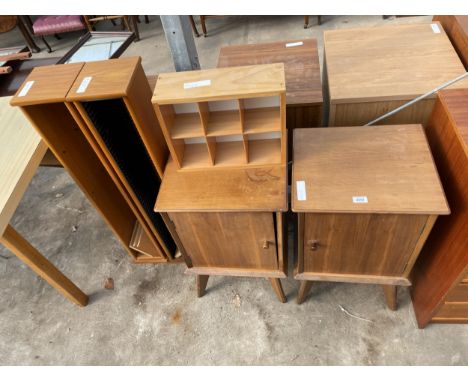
point(266, 244)
point(313, 245)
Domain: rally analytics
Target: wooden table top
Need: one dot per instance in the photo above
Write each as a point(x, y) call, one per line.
point(218, 190)
point(455, 102)
point(104, 83)
point(21, 151)
point(389, 166)
point(396, 62)
point(41, 89)
point(224, 83)
point(301, 65)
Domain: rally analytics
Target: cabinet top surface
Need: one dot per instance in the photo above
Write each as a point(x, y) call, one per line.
point(220, 83)
point(301, 65)
point(455, 102)
point(374, 169)
point(47, 84)
point(104, 79)
point(21, 150)
point(396, 62)
point(252, 189)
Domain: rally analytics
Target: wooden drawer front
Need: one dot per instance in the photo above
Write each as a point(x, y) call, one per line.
point(366, 244)
point(228, 239)
point(453, 310)
point(459, 293)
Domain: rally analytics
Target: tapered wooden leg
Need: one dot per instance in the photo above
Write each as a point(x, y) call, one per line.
point(43, 267)
point(390, 292)
point(278, 288)
point(304, 290)
point(202, 280)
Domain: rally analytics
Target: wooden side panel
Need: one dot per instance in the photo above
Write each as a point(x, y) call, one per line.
point(358, 114)
point(364, 244)
point(444, 257)
point(298, 116)
point(68, 144)
point(138, 102)
point(228, 240)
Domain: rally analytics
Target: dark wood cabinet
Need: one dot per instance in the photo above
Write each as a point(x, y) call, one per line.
point(440, 277)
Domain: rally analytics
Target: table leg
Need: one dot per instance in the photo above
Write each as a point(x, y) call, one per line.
point(27, 35)
point(43, 267)
point(133, 20)
point(304, 290)
point(194, 27)
point(278, 288)
point(202, 280)
point(390, 292)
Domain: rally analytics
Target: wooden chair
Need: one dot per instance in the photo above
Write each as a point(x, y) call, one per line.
point(306, 21)
point(128, 22)
point(53, 25)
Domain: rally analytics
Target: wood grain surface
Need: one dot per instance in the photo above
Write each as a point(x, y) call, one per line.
point(228, 240)
point(443, 263)
point(395, 62)
point(226, 83)
point(301, 66)
point(109, 79)
point(21, 152)
point(391, 166)
point(44, 89)
point(456, 28)
point(256, 189)
point(365, 244)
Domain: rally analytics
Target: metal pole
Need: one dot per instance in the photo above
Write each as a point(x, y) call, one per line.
point(181, 42)
point(404, 106)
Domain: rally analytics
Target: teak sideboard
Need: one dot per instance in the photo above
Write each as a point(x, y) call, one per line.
point(98, 120)
point(304, 100)
point(370, 71)
point(440, 277)
point(229, 221)
point(366, 199)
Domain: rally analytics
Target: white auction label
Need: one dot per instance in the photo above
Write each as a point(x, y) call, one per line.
point(26, 88)
point(360, 199)
point(84, 84)
point(197, 84)
point(290, 44)
point(301, 190)
point(435, 28)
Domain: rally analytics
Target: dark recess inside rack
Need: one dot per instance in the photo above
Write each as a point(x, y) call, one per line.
point(115, 126)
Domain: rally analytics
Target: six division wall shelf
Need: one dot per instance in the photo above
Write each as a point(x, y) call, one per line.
point(231, 117)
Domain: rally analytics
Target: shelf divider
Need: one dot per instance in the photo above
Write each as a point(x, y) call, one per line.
point(204, 112)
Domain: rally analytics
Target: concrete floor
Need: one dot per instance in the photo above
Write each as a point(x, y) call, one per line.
point(153, 317)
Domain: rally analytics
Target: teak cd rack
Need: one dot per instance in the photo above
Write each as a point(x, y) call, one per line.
point(224, 117)
point(98, 120)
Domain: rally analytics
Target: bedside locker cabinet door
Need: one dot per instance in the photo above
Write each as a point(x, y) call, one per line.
point(244, 240)
point(366, 244)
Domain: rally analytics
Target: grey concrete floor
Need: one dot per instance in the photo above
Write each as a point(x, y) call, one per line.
point(153, 317)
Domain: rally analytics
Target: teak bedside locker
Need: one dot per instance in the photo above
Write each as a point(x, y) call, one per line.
point(304, 100)
point(98, 120)
point(229, 117)
point(366, 199)
point(229, 221)
point(370, 71)
point(440, 276)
